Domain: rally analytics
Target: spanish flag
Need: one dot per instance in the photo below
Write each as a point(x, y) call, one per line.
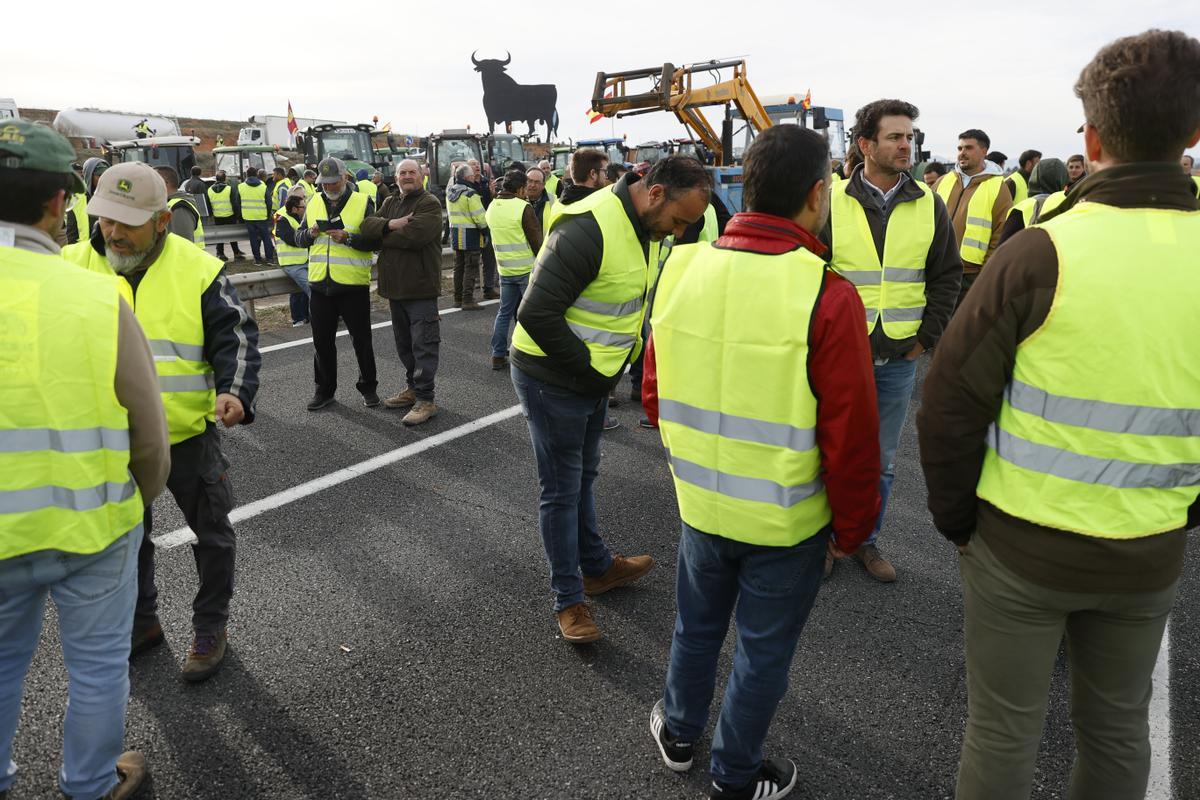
point(595, 116)
point(806, 103)
point(292, 126)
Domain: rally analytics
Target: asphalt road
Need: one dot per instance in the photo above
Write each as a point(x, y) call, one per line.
point(392, 635)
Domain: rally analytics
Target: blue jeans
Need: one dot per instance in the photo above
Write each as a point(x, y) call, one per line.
point(94, 595)
point(893, 390)
point(259, 231)
point(298, 301)
point(512, 289)
point(773, 589)
point(565, 428)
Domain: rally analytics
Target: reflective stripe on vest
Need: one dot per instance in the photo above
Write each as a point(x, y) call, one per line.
point(466, 211)
point(742, 439)
point(290, 256)
point(625, 276)
point(895, 292)
point(198, 232)
point(326, 257)
point(65, 483)
point(253, 200)
point(514, 256)
point(167, 305)
point(977, 234)
point(1111, 434)
point(221, 202)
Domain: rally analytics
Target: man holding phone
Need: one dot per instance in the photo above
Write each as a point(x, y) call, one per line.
point(339, 278)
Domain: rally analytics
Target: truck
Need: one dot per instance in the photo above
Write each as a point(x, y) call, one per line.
point(104, 127)
point(273, 130)
point(157, 151)
point(8, 109)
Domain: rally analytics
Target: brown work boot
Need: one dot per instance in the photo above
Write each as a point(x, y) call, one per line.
point(879, 567)
point(423, 411)
point(499, 363)
point(145, 636)
point(131, 771)
point(205, 657)
point(623, 570)
point(470, 305)
point(577, 625)
point(402, 400)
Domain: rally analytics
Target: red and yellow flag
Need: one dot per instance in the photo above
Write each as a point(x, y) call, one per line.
point(595, 116)
point(806, 103)
point(292, 126)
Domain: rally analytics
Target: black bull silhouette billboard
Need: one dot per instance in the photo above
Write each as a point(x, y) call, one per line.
point(505, 100)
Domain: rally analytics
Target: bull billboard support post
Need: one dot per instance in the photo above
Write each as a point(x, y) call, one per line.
point(506, 101)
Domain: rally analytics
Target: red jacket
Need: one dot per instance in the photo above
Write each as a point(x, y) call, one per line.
point(840, 374)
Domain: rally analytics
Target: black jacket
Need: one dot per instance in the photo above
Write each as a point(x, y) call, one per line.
point(568, 261)
point(943, 266)
point(230, 334)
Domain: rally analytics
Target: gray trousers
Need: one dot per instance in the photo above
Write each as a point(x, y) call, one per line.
point(1013, 629)
point(417, 328)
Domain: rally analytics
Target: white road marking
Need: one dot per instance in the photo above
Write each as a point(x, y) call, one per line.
point(297, 342)
point(184, 535)
point(1159, 787)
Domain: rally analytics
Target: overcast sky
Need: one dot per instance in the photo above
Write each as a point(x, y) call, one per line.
point(1007, 68)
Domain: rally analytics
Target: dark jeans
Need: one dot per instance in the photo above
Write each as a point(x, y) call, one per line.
point(204, 495)
point(354, 307)
point(893, 390)
point(260, 238)
point(489, 268)
point(466, 275)
point(512, 289)
point(771, 590)
point(234, 245)
point(565, 428)
point(416, 326)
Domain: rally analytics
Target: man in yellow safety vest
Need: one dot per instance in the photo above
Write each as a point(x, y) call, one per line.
point(1060, 437)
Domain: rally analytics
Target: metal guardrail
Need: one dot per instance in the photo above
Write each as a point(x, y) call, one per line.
point(273, 282)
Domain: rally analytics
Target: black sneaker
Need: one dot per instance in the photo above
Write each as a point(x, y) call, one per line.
point(645, 422)
point(318, 402)
point(676, 755)
point(776, 779)
point(370, 399)
point(146, 635)
point(611, 423)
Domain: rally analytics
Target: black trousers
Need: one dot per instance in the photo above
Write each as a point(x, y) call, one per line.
point(466, 275)
point(416, 326)
point(234, 245)
point(354, 308)
point(489, 268)
point(202, 490)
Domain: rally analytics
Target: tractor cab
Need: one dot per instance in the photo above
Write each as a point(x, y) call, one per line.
point(350, 143)
point(560, 159)
point(235, 160)
point(157, 151)
point(613, 148)
point(651, 152)
point(502, 150)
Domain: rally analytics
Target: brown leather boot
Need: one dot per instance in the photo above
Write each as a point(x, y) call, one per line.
point(145, 636)
point(470, 305)
point(876, 565)
point(499, 363)
point(205, 656)
point(131, 772)
point(577, 625)
point(623, 570)
point(402, 400)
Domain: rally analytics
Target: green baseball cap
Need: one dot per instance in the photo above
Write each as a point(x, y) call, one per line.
point(28, 145)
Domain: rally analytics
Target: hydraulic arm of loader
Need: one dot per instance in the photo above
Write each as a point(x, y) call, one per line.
point(671, 89)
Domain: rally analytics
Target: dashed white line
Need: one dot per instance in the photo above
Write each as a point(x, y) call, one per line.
point(1159, 787)
point(184, 535)
point(271, 348)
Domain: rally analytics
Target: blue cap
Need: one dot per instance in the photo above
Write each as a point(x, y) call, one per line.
point(361, 175)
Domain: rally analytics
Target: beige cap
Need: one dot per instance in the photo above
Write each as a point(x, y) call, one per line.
point(129, 193)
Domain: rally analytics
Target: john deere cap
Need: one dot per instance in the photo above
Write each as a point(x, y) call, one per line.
point(330, 170)
point(129, 193)
point(27, 145)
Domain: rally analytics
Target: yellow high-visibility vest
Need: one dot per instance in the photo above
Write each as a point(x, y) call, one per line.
point(1020, 185)
point(221, 202)
point(709, 232)
point(79, 209)
point(895, 293)
point(741, 439)
point(65, 482)
point(978, 232)
point(1034, 208)
point(253, 200)
point(198, 233)
point(290, 256)
point(1105, 441)
point(607, 316)
point(514, 255)
point(341, 262)
point(168, 307)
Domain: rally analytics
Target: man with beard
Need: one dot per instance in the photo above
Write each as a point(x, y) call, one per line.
point(577, 327)
point(206, 354)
